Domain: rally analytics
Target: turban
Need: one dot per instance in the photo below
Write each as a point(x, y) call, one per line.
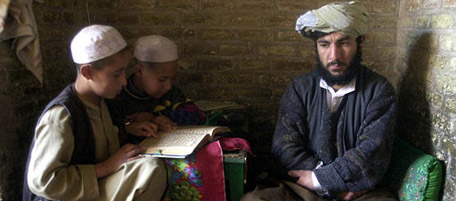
point(156, 49)
point(347, 17)
point(96, 42)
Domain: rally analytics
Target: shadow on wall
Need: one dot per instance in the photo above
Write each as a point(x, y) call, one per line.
point(414, 117)
point(414, 113)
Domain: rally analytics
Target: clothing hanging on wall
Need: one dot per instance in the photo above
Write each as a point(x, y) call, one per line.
point(3, 12)
point(17, 22)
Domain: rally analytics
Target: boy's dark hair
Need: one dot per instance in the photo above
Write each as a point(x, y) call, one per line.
point(148, 65)
point(142, 63)
point(98, 65)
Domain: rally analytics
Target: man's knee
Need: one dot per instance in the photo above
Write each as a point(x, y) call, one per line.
point(379, 194)
point(271, 191)
point(250, 197)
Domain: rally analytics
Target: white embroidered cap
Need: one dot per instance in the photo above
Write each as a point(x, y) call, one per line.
point(156, 49)
point(96, 42)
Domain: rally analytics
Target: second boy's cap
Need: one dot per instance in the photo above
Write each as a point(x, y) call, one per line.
point(96, 42)
point(156, 49)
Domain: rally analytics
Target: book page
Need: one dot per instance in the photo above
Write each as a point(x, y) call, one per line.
point(180, 142)
point(199, 130)
point(173, 144)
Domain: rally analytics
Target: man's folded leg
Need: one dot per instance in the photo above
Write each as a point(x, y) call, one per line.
point(378, 194)
point(275, 190)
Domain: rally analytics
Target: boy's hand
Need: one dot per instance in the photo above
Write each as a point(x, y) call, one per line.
point(141, 116)
point(126, 153)
point(164, 123)
point(142, 128)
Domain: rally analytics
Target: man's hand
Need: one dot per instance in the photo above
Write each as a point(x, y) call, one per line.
point(126, 153)
point(350, 195)
point(305, 178)
point(142, 128)
point(141, 116)
point(164, 123)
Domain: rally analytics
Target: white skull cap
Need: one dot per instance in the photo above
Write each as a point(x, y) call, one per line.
point(155, 49)
point(96, 42)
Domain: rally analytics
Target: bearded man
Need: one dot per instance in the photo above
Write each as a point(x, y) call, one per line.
point(335, 128)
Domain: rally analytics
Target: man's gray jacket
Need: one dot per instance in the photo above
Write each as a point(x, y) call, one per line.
point(355, 148)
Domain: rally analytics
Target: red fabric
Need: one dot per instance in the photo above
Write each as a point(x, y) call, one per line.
point(210, 162)
point(201, 176)
point(198, 177)
point(231, 144)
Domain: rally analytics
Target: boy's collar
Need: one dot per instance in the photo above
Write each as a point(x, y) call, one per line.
point(133, 91)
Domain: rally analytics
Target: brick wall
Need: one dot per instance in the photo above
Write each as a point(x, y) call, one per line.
point(22, 97)
point(426, 62)
point(245, 51)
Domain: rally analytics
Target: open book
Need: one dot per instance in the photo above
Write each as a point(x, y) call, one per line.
point(183, 141)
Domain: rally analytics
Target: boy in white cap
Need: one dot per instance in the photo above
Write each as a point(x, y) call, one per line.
point(335, 127)
point(75, 153)
point(150, 94)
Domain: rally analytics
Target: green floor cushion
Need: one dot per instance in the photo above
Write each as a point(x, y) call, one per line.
point(414, 175)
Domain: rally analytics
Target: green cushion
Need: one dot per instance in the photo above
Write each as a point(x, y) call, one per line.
point(414, 175)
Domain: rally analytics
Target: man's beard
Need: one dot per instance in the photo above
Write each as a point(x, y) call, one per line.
point(346, 77)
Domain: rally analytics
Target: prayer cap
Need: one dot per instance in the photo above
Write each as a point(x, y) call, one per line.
point(347, 17)
point(156, 49)
point(96, 42)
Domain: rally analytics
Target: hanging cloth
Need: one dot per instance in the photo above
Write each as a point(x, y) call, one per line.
point(18, 22)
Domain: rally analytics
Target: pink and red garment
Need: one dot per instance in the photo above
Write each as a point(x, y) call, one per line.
point(200, 176)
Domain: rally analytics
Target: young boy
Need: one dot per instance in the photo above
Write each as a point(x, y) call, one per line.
point(150, 94)
point(75, 153)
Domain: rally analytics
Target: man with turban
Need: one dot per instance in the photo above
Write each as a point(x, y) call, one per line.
point(335, 128)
